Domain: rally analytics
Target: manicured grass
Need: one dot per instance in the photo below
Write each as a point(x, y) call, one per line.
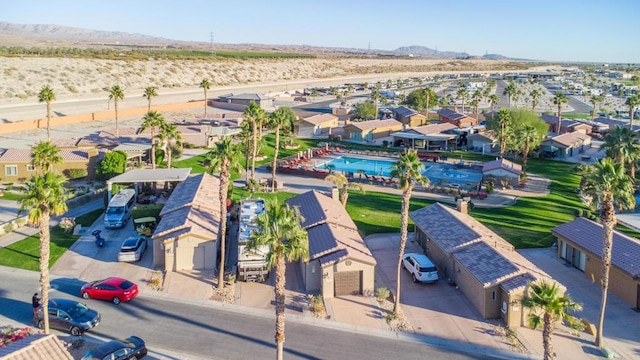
point(576, 116)
point(25, 254)
point(140, 211)
point(195, 163)
point(10, 195)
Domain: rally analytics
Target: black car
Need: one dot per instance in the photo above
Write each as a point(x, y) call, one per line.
point(69, 315)
point(131, 348)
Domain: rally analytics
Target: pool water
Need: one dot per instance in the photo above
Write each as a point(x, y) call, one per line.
point(438, 174)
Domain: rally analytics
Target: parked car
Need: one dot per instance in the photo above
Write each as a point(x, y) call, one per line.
point(420, 268)
point(69, 315)
point(131, 348)
point(113, 289)
point(133, 248)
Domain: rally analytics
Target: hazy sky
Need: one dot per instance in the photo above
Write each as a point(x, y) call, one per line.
point(571, 30)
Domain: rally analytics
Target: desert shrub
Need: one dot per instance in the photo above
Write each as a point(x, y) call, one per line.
point(67, 224)
point(73, 174)
point(8, 228)
point(316, 304)
point(382, 293)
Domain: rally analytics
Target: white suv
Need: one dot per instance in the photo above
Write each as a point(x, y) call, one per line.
point(420, 268)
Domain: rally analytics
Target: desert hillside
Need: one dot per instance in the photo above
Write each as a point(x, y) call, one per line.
point(22, 78)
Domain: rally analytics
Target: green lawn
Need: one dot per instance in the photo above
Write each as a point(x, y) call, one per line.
point(25, 253)
point(10, 195)
point(140, 211)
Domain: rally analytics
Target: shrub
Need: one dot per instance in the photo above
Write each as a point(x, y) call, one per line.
point(8, 228)
point(10, 334)
point(579, 212)
point(316, 304)
point(382, 293)
point(73, 174)
point(67, 224)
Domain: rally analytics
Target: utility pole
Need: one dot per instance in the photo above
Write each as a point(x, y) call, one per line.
point(213, 53)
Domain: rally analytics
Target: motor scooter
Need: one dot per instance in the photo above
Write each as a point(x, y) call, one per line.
point(99, 239)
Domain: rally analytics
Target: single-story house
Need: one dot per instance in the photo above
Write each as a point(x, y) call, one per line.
point(339, 261)
point(503, 169)
point(246, 99)
point(604, 125)
point(580, 245)
point(409, 117)
point(567, 125)
point(15, 164)
point(485, 142)
point(315, 125)
point(186, 237)
point(36, 346)
point(565, 145)
point(486, 268)
point(456, 118)
point(430, 137)
point(216, 133)
point(371, 129)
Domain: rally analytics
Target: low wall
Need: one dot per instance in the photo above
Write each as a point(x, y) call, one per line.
point(7, 128)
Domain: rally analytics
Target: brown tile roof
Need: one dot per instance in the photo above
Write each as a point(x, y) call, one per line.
point(570, 139)
point(376, 124)
point(189, 220)
point(433, 128)
point(440, 223)
point(317, 208)
point(502, 164)
point(198, 191)
point(37, 346)
point(517, 282)
point(320, 119)
point(625, 252)
point(24, 155)
point(488, 135)
point(122, 131)
point(65, 142)
point(486, 264)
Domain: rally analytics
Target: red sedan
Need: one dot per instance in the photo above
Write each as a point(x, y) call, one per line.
point(112, 289)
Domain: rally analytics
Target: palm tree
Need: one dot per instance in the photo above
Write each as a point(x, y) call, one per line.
point(149, 93)
point(223, 160)
point(255, 115)
point(595, 100)
point(632, 102)
point(343, 184)
point(560, 99)
point(493, 101)
point(511, 91)
point(47, 95)
point(529, 137)
point(152, 120)
point(535, 98)
point(375, 96)
point(547, 306)
point(167, 135)
point(44, 155)
point(504, 120)
point(427, 92)
point(408, 171)
point(246, 138)
point(283, 117)
point(44, 196)
point(116, 94)
point(621, 144)
point(279, 228)
point(462, 94)
point(205, 85)
point(610, 187)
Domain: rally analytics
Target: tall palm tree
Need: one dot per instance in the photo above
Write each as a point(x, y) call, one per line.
point(255, 115)
point(116, 94)
point(44, 196)
point(223, 160)
point(493, 101)
point(151, 121)
point(547, 305)
point(529, 138)
point(47, 95)
point(504, 121)
point(168, 135)
point(44, 156)
point(283, 117)
point(535, 95)
point(343, 184)
point(632, 102)
point(408, 171)
point(621, 144)
point(595, 100)
point(149, 93)
point(375, 96)
point(610, 187)
point(560, 99)
point(462, 94)
point(510, 91)
point(427, 93)
point(246, 138)
point(279, 228)
point(205, 85)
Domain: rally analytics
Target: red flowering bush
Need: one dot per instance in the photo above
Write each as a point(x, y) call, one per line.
point(10, 334)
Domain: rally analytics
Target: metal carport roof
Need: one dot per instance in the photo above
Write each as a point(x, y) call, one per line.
point(151, 175)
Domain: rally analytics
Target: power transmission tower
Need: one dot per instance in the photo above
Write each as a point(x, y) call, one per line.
point(213, 52)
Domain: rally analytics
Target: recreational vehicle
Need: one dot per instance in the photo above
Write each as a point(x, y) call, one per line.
point(119, 210)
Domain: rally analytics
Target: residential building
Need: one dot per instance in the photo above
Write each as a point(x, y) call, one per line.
point(409, 117)
point(186, 237)
point(503, 169)
point(430, 137)
point(567, 125)
point(339, 261)
point(486, 268)
point(315, 125)
point(15, 164)
point(246, 99)
point(580, 246)
point(369, 131)
point(485, 142)
point(565, 145)
point(456, 118)
point(36, 346)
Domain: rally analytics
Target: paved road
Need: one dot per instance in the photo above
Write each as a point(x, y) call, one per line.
point(578, 106)
point(207, 330)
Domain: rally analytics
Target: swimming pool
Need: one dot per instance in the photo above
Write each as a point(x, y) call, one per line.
point(439, 174)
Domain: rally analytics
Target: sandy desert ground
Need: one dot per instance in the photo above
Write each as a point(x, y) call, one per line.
point(22, 78)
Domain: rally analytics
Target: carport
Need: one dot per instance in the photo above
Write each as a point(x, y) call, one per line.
point(424, 141)
point(148, 176)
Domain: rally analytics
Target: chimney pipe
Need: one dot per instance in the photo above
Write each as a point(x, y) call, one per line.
point(462, 206)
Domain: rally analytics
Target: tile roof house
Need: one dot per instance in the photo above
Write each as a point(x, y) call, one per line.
point(456, 118)
point(409, 117)
point(339, 261)
point(566, 145)
point(36, 346)
point(486, 268)
point(605, 124)
point(247, 98)
point(315, 125)
point(186, 237)
point(485, 142)
point(503, 169)
point(370, 130)
point(15, 164)
point(430, 137)
point(580, 245)
point(567, 125)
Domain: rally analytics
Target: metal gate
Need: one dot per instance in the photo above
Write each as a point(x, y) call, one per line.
point(348, 283)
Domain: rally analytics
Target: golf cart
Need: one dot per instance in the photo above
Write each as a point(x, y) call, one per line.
point(145, 225)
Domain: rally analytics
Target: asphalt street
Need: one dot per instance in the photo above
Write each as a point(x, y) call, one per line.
point(208, 330)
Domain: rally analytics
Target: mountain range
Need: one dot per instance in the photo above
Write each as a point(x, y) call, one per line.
point(33, 35)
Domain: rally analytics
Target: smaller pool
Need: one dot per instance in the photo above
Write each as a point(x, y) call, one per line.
point(357, 165)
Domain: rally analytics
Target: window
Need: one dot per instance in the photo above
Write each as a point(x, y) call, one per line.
point(493, 295)
point(11, 170)
point(30, 167)
point(563, 250)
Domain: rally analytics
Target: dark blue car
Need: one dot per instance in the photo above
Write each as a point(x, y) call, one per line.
point(69, 315)
point(131, 348)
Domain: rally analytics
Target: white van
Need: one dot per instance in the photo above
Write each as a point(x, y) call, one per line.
point(119, 209)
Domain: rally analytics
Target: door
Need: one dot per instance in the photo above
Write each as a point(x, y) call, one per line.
point(198, 258)
point(348, 283)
